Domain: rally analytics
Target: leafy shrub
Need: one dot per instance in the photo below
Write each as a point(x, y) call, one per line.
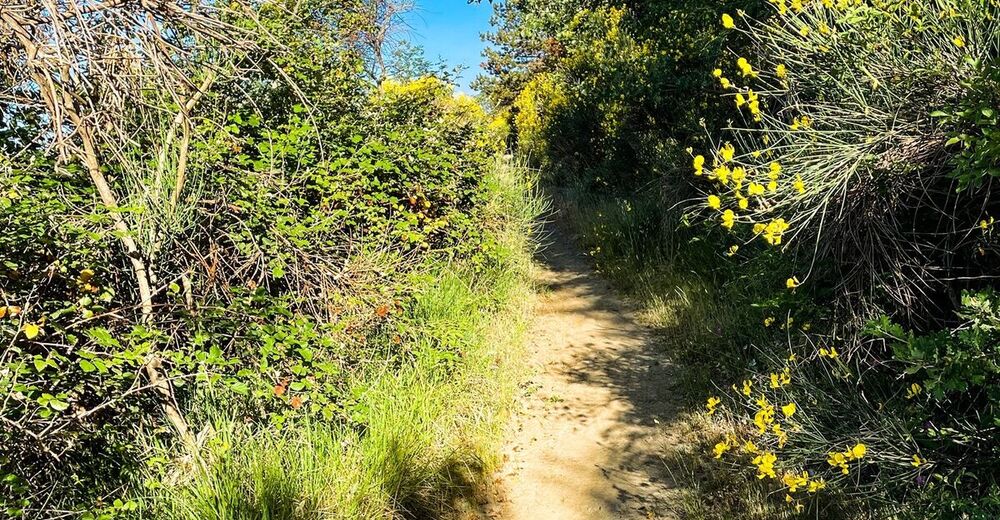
point(285, 266)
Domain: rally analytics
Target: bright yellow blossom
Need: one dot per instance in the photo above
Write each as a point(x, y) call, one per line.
point(794, 481)
point(788, 409)
point(816, 485)
point(858, 451)
point(959, 41)
point(781, 71)
point(712, 403)
point(728, 219)
point(699, 164)
point(721, 174)
point(792, 282)
point(721, 448)
point(727, 152)
point(799, 185)
point(714, 202)
point(765, 465)
point(774, 170)
point(918, 461)
point(727, 21)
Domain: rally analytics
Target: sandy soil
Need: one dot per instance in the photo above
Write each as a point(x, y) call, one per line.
point(589, 440)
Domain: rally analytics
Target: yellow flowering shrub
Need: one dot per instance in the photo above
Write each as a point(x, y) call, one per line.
point(833, 139)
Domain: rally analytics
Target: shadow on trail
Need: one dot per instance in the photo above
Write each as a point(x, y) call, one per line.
point(646, 444)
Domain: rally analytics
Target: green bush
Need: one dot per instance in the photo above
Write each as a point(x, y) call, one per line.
point(292, 270)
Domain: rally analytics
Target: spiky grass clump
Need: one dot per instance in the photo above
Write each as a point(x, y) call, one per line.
point(838, 155)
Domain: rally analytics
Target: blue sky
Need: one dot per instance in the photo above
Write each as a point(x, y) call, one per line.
point(450, 29)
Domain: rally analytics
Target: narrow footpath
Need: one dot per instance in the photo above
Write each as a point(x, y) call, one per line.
point(589, 441)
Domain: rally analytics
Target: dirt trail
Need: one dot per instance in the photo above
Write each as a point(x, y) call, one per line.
point(588, 443)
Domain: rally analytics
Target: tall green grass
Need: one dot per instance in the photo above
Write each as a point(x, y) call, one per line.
point(433, 419)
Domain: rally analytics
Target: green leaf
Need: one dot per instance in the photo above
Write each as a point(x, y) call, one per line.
point(86, 366)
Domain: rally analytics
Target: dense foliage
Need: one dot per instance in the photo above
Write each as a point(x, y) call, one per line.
point(840, 161)
point(317, 244)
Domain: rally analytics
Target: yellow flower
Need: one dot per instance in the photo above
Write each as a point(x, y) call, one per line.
point(712, 403)
point(727, 21)
point(794, 482)
point(744, 203)
point(829, 353)
point(788, 409)
point(727, 152)
point(714, 202)
point(958, 41)
point(774, 381)
point(913, 391)
point(749, 447)
point(745, 67)
point(717, 73)
point(786, 375)
point(792, 282)
point(732, 250)
point(721, 174)
point(768, 321)
point(740, 100)
point(804, 31)
point(765, 465)
point(725, 83)
point(721, 448)
point(772, 186)
point(858, 451)
point(781, 71)
point(728, 219)
point(775, 170)
point(799, 508)
point(747, 384)
point(838, 460)
point(986, 224)
point(699, 164)
point(774, 231)
point(816, 485)
point(799, 185)
point(755, 189)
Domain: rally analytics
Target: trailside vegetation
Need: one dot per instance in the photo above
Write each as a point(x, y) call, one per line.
point(244, 271)
point(818, 178)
